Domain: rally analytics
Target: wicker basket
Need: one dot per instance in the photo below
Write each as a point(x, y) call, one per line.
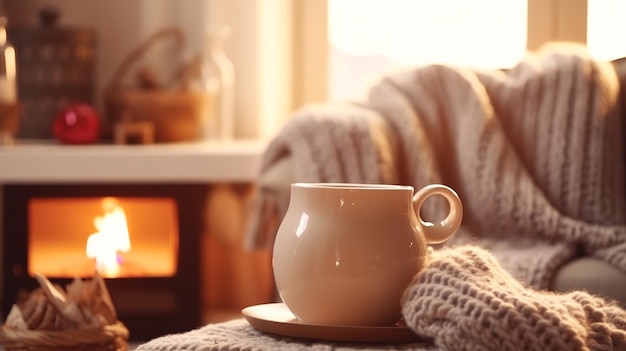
point(177, 114)
point(108, 338)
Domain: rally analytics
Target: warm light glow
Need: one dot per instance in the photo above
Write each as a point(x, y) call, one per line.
point(111, 238)
point(368, 36)
point(58, 229)
point(485, 33)
point(9, 61)
point(605, 26)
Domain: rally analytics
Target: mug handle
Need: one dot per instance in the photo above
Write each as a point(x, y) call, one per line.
point(442, 231)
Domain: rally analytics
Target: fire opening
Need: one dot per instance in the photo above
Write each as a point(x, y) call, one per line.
point(118, 236)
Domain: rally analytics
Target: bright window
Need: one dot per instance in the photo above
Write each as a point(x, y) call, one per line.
point(369, 36)
point(606, 27)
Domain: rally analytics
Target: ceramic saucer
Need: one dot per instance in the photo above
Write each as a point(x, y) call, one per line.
point(276, 318)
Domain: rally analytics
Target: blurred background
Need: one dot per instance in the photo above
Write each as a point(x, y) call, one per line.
point(287, 53)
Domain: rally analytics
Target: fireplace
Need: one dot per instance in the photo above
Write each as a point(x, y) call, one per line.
point(54, 199)
point(152, 271)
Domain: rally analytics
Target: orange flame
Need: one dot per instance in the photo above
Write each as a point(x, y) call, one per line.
point(112, 237)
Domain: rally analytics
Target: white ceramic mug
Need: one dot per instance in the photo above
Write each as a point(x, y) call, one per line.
point(344, 253)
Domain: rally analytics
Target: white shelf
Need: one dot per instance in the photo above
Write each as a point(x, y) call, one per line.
point(30, 162)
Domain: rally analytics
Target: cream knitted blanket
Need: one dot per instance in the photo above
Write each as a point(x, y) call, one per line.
point(535, 153)
point(462, 301)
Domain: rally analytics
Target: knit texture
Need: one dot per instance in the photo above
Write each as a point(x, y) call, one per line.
point(238, 335)
point(462, 301)
point(535, 153)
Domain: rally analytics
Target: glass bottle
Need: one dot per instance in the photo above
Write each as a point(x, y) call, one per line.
point(219, 78)
point(8, 85)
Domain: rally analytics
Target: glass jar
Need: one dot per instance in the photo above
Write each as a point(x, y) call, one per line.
point(218, 76)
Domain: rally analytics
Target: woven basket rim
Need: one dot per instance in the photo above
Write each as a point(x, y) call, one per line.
point(116, 332)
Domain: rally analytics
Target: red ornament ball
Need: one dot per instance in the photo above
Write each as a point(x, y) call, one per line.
point(77, 123)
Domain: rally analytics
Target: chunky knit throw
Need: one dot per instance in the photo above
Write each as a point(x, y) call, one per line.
point(462, 301)
point(535, 153)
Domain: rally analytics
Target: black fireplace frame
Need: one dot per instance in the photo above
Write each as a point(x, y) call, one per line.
point(182, 290)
